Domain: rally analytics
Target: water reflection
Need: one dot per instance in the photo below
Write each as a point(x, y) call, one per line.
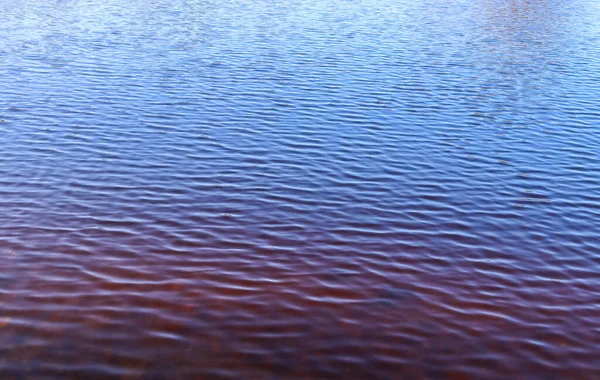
point(314, 189)
point(522, 49)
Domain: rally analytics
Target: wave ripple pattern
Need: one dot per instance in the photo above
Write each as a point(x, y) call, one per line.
point(255, 189)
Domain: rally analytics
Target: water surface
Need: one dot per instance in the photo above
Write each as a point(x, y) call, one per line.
point(302, 189)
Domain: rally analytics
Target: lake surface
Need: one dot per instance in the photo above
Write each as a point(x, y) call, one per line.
point(249, 189)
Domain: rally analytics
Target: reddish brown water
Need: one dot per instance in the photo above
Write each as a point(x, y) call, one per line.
point(311, 189)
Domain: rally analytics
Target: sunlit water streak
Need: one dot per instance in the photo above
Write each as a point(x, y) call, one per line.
point(300, 189)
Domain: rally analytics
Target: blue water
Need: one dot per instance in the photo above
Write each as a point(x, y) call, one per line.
point(300, 189)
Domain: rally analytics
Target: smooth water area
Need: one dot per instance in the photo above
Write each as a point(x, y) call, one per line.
point(310, 189)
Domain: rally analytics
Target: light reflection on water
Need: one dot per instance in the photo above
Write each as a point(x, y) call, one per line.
point(306, 189)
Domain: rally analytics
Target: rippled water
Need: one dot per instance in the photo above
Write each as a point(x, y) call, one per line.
point(300, 189)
